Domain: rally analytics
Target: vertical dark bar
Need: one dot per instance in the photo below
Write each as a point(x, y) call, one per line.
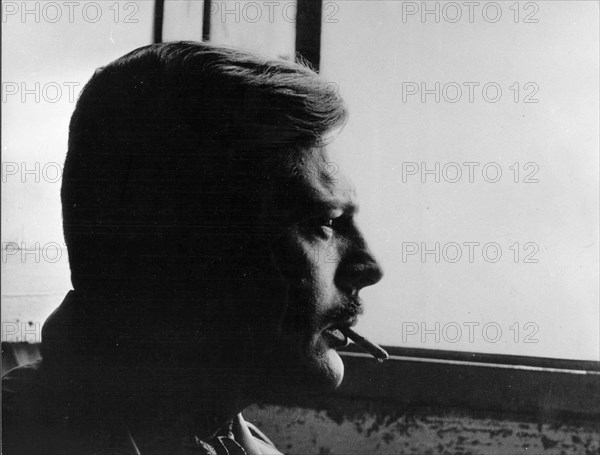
point(159, 13)
point(308, 30)
point(206, 21)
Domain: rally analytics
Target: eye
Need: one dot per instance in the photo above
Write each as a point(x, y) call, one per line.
point(321, 226)
point(325, 227)
point(327, 223)
point(330, 224)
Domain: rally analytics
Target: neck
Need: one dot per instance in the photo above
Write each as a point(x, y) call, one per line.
point(184, 401)
point(204, 399)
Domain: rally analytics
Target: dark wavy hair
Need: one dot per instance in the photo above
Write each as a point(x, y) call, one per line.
point(169, 147)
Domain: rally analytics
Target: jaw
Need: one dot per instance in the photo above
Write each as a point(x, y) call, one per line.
point(318, 367)
point(312, 367)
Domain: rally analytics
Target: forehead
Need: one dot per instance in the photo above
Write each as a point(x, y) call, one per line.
point(326, 185)
point(317, 186)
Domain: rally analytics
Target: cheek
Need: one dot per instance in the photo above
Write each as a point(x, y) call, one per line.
point(305, 272)
point(311, 297)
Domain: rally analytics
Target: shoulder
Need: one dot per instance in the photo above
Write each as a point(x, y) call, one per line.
point(20, 392)
point(22, 412)
point(33, 419)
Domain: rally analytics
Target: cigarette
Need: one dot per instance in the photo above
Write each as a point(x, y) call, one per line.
point(366, 345)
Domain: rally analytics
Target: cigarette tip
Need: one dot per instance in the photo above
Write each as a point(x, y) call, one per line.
point(383, 356)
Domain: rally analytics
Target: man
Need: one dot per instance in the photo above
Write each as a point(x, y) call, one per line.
point(197, 209)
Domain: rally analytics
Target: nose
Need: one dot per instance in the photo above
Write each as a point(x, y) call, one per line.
point(360, 268)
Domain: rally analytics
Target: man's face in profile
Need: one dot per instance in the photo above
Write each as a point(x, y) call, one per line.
point(322, 261)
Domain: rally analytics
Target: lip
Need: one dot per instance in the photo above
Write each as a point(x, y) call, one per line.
point(335, 338)
point(345, 323)
point(334, 332)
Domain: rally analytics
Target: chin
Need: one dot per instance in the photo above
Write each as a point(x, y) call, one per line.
point(325, 368)
point(315, 368)
point(333, 367)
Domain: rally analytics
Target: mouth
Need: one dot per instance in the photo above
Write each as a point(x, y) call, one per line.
point(335, 333)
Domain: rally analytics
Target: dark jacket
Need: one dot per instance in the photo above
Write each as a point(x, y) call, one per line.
point(48, 409)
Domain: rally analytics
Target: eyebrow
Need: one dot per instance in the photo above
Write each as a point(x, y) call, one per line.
point(348, 207)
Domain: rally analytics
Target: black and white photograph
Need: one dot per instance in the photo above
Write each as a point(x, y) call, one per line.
point(301, 227)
